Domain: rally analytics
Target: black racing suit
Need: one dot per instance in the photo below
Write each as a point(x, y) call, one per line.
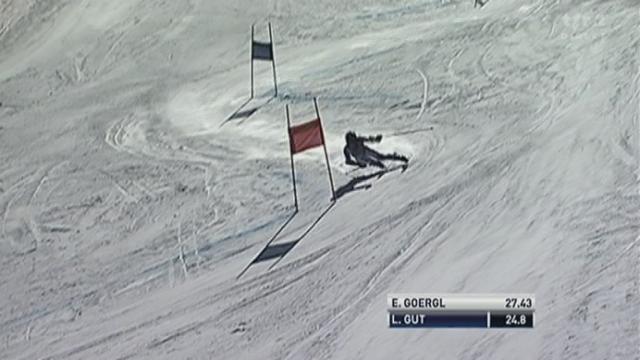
point(357, 153)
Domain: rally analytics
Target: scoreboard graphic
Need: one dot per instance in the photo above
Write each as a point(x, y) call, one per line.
point(461, 310)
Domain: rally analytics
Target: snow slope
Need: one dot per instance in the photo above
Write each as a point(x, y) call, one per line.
point(130, 202)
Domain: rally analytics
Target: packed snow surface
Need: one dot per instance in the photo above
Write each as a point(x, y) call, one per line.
point(130, 199)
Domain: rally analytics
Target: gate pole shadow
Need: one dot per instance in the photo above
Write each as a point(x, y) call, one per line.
point(284, 225)
point(240, 113)
point(296, 241)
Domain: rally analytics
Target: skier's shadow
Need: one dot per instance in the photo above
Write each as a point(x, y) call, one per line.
point(280, 250)
point(355, 184)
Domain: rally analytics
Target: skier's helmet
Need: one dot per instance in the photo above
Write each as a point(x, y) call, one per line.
point(350, 137)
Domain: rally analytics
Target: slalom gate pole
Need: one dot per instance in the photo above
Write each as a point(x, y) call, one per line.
point(273, 62)
point(252, 30)
point(326, 154)
point(293, 170)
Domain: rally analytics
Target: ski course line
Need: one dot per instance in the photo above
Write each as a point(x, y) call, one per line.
point(425, 93)
point(233, 309)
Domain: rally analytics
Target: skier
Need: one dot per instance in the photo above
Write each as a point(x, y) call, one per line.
point(357, 153)
point(479, 2)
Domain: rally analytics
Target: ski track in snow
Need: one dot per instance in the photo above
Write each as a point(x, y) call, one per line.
point(128, 209)
point(425, 94)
